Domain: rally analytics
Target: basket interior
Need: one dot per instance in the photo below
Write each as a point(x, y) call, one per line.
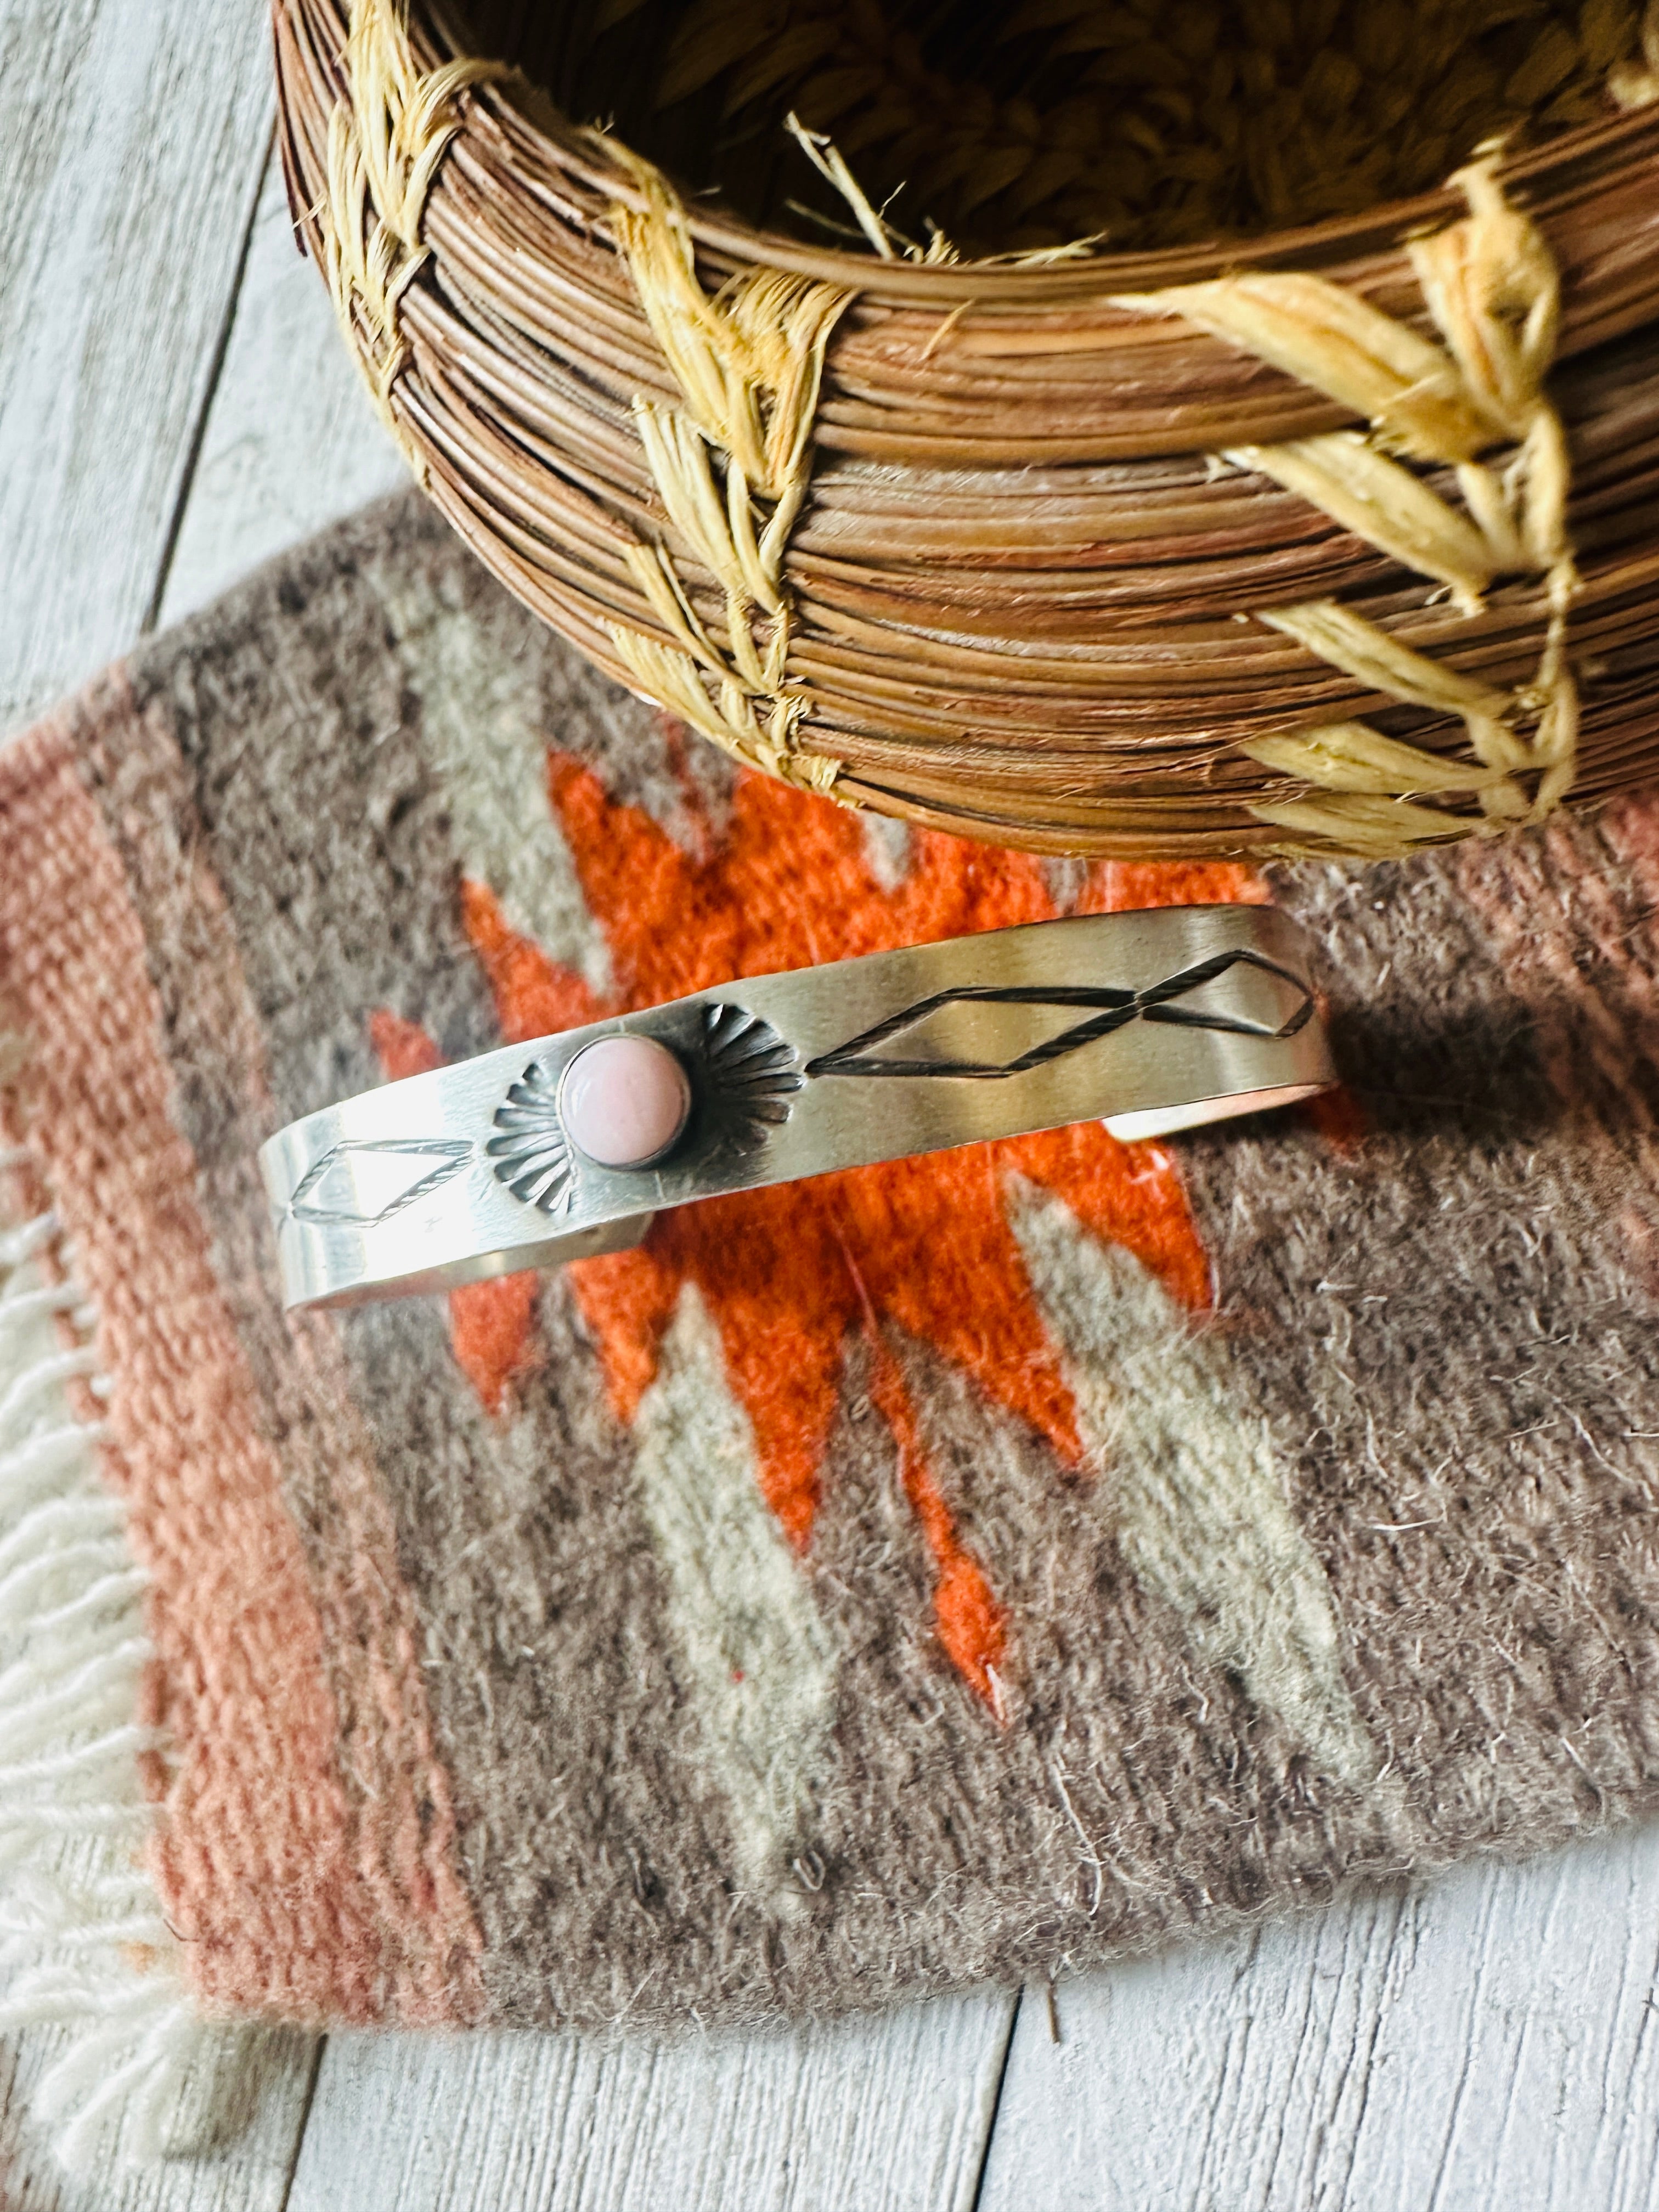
point(1012, 128)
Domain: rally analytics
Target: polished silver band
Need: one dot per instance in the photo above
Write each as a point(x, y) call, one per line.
point(1151, 1021)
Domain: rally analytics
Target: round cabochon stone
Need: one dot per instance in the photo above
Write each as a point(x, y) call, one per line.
point(624, 1100)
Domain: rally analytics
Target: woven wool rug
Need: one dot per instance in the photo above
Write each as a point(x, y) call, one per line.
point(963, 1568)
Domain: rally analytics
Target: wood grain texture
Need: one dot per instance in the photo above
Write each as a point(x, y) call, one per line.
point(1493, 2040)
point(895, 2111)
point(892, 2112)
point(1490, 2040)
point(291, 441)
point(241, 2159)
point(134, 137)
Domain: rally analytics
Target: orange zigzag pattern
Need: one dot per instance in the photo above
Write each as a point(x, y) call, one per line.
point(921, 1243)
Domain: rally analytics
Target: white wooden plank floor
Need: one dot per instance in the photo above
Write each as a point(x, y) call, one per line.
point(1490, 2040)
point(133, 140)
point(174, 409)
point(893, 2113)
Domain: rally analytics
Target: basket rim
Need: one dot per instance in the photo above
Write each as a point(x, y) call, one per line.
point(517, 367)
point(1561, 170)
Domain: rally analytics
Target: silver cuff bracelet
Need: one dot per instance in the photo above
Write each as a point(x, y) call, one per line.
point(557, 1149)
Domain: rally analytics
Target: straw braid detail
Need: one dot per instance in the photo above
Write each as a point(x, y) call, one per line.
point(732, 471)
point(1635, 83)
point(384, 142)
point(1046, 121)
point(1491, 285)
point(731, 466)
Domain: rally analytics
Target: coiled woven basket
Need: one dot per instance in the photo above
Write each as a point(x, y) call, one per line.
point(1337, 538)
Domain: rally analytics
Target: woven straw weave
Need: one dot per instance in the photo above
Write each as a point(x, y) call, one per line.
point(1336, 538)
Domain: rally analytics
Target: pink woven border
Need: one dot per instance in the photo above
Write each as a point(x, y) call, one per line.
point(263, 1865)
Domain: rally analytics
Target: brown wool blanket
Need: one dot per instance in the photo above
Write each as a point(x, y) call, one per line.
point(964, 1568)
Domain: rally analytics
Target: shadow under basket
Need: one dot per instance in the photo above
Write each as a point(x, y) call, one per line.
point(1075, 424)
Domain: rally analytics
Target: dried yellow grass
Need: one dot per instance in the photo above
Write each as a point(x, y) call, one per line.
point(1151, 122)
point(1200, 551)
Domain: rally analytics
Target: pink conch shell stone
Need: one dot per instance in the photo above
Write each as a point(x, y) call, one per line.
point(623, 1101)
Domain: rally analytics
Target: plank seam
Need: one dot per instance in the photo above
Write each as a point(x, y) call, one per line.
point(975, 2201)
point(152, 614)
point(312, 2076)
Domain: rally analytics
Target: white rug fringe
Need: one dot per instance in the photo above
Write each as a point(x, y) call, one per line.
point(78, 1912)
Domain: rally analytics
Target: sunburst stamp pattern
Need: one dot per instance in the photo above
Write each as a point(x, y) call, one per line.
point(530, 1152)
point(752, 1074)
point(978, 1561)
point(745, 1076)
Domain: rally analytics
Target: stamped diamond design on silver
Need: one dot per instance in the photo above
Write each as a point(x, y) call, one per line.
point(364, 1182)
point(988, 1032)
point(1217, 1018)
